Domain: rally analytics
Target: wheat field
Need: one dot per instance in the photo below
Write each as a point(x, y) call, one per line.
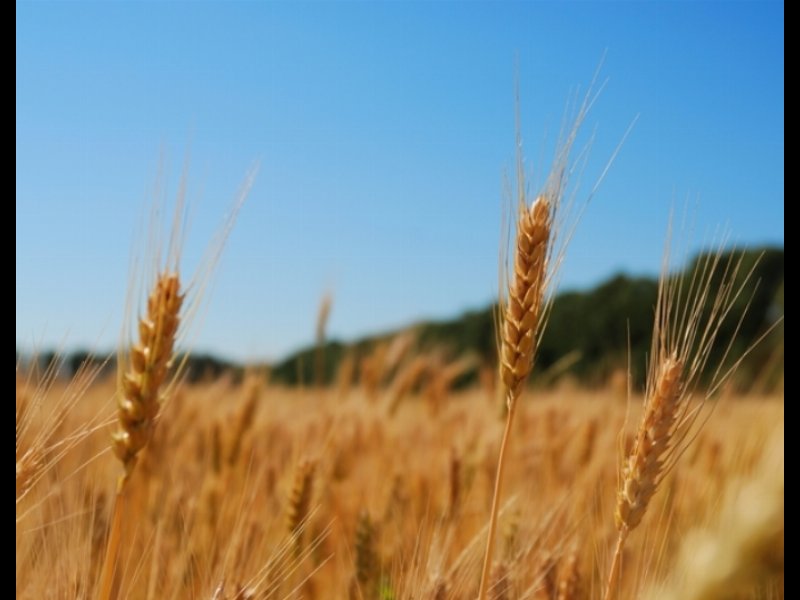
point(394, 506)
point(390, 481)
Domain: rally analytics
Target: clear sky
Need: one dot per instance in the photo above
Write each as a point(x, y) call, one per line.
point(383, 131)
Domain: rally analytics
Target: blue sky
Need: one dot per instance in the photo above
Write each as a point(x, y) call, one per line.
point(383, 131)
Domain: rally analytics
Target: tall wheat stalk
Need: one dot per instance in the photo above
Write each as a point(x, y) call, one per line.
point(143, 366)
point(688, 319)
point(524, 312)
point(141, 381)
point(520, 327)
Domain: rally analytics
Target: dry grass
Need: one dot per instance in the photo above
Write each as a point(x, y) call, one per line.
point(202, 526)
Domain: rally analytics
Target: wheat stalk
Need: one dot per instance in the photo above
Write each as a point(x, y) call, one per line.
point(142, 370)
point(524, 314)
point(245, 419)
point(366, 575)
point(642, 469)
point(522, 318)
point(300, 501)
point(139, 397)
point(687, 322)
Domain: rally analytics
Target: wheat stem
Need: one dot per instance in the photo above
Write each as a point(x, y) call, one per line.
point(498, 483)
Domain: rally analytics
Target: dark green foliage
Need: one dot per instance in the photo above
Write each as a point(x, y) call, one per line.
point(598, 324)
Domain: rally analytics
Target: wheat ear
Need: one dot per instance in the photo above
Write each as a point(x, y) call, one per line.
point(300, 501)
point(523, 309)
point(642, 469)
point(139, 398)
point(366, 575)
point(140, 386)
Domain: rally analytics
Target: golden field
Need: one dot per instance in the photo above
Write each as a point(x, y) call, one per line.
point(250, 490)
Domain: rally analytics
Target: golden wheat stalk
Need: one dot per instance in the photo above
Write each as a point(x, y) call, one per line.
point(688, 319)
point(642, 469)
point(537, 257)
point(244, 422)
point(367, 567)
point(522, 318)
point(140, 397)
point(144, 366)
point(300, 501)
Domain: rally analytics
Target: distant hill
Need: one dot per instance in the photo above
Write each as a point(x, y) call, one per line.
point(592, 328)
